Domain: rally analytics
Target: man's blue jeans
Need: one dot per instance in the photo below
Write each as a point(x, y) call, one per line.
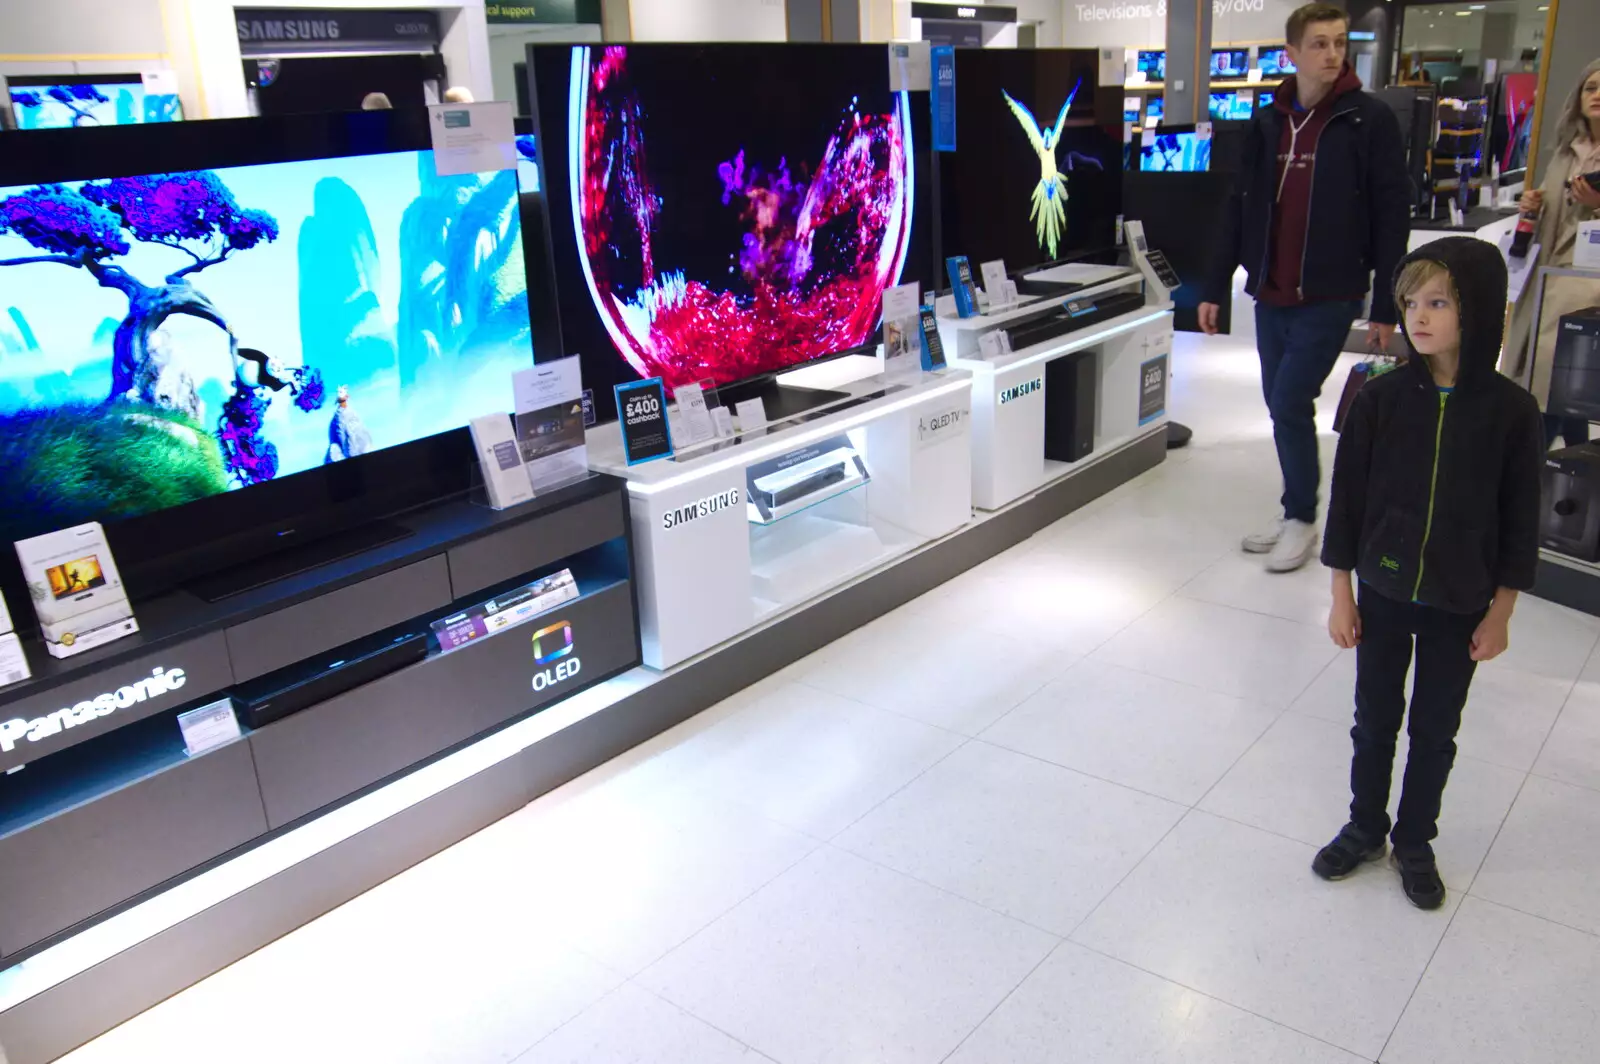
point(1298, 348)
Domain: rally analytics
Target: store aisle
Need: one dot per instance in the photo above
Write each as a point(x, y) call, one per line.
point(1060, 809)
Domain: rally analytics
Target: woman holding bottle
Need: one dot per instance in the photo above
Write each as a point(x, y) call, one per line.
point(1563, 200)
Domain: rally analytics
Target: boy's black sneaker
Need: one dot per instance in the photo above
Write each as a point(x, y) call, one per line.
point(1352, 849)
point(1419, 875)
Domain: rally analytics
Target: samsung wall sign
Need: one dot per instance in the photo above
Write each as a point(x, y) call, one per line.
point(159, 684)
point(277, 31)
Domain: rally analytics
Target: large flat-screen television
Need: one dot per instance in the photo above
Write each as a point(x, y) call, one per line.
point(1036, 180)
point(67, 101)
point(1153, 65)
point(1232, 106)
point(224, 339)
point(725, 212)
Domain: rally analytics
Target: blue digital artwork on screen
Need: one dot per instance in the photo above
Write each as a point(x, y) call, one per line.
point(173, 336)
point(69, 105)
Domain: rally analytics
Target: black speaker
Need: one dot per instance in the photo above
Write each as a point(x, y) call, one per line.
point(1575, 366)
point(279, 694)
point(1069, 398)
point(433, 68)
point(1570, 489)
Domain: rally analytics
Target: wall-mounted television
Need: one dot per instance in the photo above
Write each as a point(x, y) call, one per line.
point(1153, 65)
point(1173, 149)
point(1275, 63)
point(223, 339)
point(725, 212)
point(1037, 180)
point(68, 101)
point(1230, 62)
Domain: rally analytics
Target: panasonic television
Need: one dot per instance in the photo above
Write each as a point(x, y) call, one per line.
point(223, 340)
point(722, 213)
point(67, 101)
point(1037, 180)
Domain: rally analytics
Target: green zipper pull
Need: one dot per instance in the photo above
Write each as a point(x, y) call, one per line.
point(1433, 484)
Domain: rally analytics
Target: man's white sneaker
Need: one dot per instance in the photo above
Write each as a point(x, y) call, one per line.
point(1294, 547)
point(1265, 540)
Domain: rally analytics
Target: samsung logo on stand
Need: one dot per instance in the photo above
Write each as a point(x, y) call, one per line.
point(704, 508)
point(159, 682)
point(1017, 391)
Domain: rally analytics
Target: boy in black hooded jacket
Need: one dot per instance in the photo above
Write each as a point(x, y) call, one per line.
point(1435, 508)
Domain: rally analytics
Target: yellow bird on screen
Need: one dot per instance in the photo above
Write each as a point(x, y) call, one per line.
point(1050, 194)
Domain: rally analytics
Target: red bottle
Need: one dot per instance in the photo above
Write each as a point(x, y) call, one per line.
point(1522, 238)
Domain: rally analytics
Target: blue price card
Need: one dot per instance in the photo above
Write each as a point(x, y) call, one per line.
point(962, 285)
point(642, 413)
point(944, 98)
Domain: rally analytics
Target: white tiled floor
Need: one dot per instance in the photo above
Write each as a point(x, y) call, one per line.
point(1086, 840)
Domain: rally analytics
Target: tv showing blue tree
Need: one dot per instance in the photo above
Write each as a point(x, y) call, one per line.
point(70, 105)
point(166, 337)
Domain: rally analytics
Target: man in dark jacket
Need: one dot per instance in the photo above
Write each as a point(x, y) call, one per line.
point(1435, 508)
point(1321, 203)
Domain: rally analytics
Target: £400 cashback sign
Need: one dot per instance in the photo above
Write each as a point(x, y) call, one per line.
point(552, 649)
point(158, 683)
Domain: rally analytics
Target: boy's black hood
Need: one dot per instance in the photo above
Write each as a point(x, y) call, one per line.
point(1479, 274)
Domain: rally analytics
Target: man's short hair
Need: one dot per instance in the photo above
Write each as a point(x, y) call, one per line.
point(1294, 30)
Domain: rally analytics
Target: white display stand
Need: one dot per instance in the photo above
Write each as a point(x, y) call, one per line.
point(706, 572)
point(1008, 392)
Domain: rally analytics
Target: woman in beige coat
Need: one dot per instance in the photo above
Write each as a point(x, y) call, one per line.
point(1566, 199)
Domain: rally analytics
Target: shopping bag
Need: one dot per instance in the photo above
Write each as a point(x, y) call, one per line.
point(1360, 374)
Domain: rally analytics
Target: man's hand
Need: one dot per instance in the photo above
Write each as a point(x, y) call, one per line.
point(1585, 193)
point(1379, 336)
point(1344, 619)
point(1210, 313)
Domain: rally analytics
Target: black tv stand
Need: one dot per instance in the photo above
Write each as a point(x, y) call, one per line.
point(286, 563)
point(782, 401)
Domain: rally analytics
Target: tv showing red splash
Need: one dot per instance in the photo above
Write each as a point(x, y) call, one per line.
point(722, 212)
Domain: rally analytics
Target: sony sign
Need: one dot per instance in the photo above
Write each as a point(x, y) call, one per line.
point(159, 683)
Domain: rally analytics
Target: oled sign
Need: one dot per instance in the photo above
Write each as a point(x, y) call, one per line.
point(552, 649)
point(160, 683)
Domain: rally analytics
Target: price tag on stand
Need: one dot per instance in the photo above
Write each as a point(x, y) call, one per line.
point(208, 727)
point(696, 416)
point(642, 413)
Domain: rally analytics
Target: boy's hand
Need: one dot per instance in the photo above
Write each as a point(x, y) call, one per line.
point(1344, 619)
point(1491, 638)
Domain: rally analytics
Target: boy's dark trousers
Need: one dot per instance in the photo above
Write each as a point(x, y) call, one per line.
point(1438, 692)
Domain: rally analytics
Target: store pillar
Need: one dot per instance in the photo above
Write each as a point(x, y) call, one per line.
point(1188, 78)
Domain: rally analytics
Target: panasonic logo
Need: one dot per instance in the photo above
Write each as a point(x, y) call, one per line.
point(704, 508)
point(160, 682)
point(1017, 391)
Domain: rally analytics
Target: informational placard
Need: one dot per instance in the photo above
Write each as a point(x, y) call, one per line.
point(505, 481)
point(76, 589)
point(696, 415)
point(932, 346)
point(1586, 253)
point(13, 662)
point(492, 616)
point(910, 66)
point(902, 329)
point(642, 411)
point(944, 98)
point(962, 286)
point(994, 283)
point(751, 415)
point(472, 138)
point(5, 616)
point(1152, 389)
point(1113, 66)
point(209, 727)
point(549, 422)
point(589, 416)
point(722, 419)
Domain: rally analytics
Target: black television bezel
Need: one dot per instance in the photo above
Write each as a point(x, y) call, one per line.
point(924, 159)
point(168, 548)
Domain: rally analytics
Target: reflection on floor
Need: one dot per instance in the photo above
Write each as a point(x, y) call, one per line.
point(1060, 809)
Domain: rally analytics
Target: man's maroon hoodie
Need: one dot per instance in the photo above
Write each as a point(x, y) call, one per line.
point(1291, 212)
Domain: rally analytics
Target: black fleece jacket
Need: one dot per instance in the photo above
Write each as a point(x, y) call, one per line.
point(1436, 498)
point(1358, 218)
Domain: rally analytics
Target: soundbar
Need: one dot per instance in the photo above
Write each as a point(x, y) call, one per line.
point(1073, 315)
point(287, 691)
